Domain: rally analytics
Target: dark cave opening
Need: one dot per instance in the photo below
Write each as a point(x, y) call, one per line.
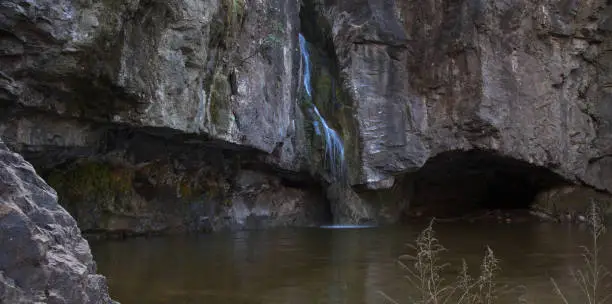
point(458, 183)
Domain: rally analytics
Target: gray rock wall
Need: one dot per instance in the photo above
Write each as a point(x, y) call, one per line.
point(520, 79)
point(523, 79)
point(91, 90)
point(44, 259)
point(219, 69)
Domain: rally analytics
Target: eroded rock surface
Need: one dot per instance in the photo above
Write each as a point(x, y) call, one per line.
point(91, 90)
point(401, 82)
point(573, 203)
point(43, 259)
point(182, 65)
point(525, 79)
point(259, 201)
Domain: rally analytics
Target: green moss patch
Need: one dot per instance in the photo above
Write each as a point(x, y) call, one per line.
point(91, 179)
point(108, 187)
point(220, 94)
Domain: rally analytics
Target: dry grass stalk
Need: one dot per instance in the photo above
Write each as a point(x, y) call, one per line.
point(425, 271)
point(592, 276)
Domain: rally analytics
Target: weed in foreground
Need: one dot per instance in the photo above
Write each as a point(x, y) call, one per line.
point(424, 272)
point(591, 278)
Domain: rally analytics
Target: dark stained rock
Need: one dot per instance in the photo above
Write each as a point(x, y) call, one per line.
point(104, 85)
point(524, 79)
point(43, 259)
point(152, 187)
point(260, 201)
point(402, 81)
point(223, 69)
point(573, 203)
point(371, 47)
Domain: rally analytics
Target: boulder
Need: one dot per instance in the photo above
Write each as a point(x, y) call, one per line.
point(44, 258)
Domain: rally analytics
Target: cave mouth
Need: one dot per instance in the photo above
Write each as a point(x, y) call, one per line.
point(460, 183)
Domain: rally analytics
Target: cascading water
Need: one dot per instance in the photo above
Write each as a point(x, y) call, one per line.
point(334, 149)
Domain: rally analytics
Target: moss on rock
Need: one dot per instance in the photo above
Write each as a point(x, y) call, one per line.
point(220, 93)
point(93, 186)
point(91, 179)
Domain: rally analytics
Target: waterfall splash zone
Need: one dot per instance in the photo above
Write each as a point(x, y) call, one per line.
point(334, 148)
point(346, 226)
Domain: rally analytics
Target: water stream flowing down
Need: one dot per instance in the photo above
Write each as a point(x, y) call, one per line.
point(334, 149)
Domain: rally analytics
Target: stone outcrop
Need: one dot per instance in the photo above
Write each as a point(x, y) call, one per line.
point(133, 108)
point(525, 80)
point(44, 259)
point(572, 203)
point(170, 102)
point(260, 201)
point(182, 65)
point(180, 187)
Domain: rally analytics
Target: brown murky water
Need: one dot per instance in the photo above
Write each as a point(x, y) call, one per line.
point(332, 265)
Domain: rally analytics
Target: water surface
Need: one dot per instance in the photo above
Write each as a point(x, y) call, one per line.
point(331, 265)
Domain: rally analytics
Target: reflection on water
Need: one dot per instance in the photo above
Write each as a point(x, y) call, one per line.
point(347, 226)
point(328, 265)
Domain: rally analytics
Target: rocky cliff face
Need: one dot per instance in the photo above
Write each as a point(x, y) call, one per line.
point(143, 114)
point(44, 259)
point(525, 80)
point(160, 109)
point(183, 66)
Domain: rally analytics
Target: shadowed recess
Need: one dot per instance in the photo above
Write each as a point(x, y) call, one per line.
point(456, 183)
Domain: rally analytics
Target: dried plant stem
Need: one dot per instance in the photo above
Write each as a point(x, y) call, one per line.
point(592, 275)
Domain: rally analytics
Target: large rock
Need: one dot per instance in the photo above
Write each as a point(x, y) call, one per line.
point(372, 53)
point(156, 188)
point(525, 79)
point(261, 201)
point(404, 81)
point(82, 81)
point(573, 203)
point(224, 69)
point(44, 259)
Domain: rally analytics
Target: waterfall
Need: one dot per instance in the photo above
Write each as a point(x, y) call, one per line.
point(334, 149)
point(306, 57)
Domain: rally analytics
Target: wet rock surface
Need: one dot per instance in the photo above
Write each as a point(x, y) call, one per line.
point(526, 80)
point(572, 204)
point(151, 187)
point(44, 259)
point(183, 65)
point(261, 201)
point(167, 103)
